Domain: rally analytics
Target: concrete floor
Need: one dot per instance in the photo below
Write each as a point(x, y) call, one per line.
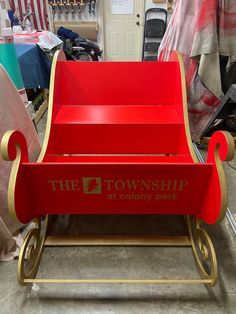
point(126, 262)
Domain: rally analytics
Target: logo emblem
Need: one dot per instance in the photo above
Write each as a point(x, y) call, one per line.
point(92, 185)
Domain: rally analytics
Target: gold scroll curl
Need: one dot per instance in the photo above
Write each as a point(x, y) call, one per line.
point(221, 148)
point(177, 57)
point(58, 56)
point(203, 250)
point(14, 148)
point(31, 251)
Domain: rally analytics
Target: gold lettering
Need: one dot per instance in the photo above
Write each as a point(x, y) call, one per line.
point(54, 184)
point(75, 185)
point(108, 184)
point(133, 184)
point(183, 184)
point(174, 197)
point(165, 197)
point(155, 185)
point(145, 185)
point(64, 185)
point(120, 185)
point(174, 185)
point(111, 196)
point(165, 185)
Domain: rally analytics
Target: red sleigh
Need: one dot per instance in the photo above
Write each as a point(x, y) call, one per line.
point(118, 142)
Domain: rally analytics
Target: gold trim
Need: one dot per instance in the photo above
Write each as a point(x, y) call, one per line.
point(40, 112)
point(174, 241)
point(185, 108)
point(31, 252)
point(206, 139)
point(12, 184)
point(221, 173)
point(58, 56)
point(4, 144)
point(14, 171)
point(230, 144)
point(121, 281)
point(203, 250)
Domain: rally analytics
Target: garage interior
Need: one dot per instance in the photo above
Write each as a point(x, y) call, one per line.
point(51, 53)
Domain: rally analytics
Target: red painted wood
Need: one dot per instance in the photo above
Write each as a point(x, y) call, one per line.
point(118, 108)
point(217, 145)
point(123, 114)
point(125, 189)
point(118, 159)
point(114, 139)
point(117, 83)
point(105, 110)
point(115, 129)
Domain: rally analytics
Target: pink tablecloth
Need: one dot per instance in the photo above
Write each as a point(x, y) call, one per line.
point(45, 39)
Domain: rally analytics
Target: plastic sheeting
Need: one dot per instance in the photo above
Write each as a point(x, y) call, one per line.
point(201, 30)
point(13, 115)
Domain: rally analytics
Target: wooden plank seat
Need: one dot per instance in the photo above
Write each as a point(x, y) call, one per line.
point(117, 142)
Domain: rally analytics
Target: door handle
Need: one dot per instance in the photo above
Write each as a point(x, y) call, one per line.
point(137, 23)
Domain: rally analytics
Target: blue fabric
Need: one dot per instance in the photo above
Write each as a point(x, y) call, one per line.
point(14, 20)
point(34, 64)
point(67, 33)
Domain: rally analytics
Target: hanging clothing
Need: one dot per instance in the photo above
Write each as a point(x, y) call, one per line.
point(202, 31)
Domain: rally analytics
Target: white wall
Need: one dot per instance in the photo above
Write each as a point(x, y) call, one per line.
point(83, 16)
point(150, 4)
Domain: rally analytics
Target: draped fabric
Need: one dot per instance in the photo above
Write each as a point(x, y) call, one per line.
point(13, 116)
point(38, 8)
point(202, 30)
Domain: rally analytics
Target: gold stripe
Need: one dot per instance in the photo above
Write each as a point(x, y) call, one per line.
point(185, 109)
point(121, 281)
point(12, 184)
point(13, 174)
point(206, 139)
point(118, 241)
point(221, 173)
point(58, 56)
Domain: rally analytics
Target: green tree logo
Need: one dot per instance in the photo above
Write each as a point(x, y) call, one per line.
point(92, 185)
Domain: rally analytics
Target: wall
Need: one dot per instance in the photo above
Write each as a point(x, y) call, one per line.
point(150, 4)
point(61, 19)
point(85, 16)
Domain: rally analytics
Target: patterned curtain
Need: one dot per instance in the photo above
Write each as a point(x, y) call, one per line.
point(38, 8)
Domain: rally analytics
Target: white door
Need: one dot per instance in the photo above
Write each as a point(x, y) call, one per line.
point(123, 29)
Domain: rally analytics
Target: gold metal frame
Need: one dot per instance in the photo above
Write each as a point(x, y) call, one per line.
point(31, 250)
point(221, 173)
point(185, 108)
point(37, 239)
point(13, 174)
point(58, 56)
point(198, 240)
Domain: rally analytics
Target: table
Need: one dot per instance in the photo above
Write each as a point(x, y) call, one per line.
point(34, 64)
